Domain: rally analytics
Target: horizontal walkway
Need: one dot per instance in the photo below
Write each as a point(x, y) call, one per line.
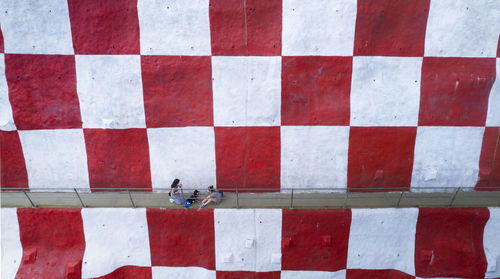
point(450, 198)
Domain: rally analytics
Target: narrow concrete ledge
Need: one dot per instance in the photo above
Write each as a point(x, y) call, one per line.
point(257, 200)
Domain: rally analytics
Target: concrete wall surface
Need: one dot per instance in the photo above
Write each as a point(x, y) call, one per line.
point(250, 93)
point(251, 243)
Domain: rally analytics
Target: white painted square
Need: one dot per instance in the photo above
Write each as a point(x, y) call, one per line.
point(234, 226)
point(307, 274)
point(6, 116)
point(174, 27)
point(385, 91)
point(491, 240)
point(110, 91)
point(463, 28)
point(186, 153)
point(114, 237)
point(450, 154)
point(246, 91)
point(12, 250)
point(383, 239)
point(55, 158)
point(493, 116)
point(189, 272)
point(314, 156)
point(36, 27)
point(318, 27)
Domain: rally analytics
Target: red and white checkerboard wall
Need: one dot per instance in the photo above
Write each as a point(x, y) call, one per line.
point(250, 93)
point(251, 243)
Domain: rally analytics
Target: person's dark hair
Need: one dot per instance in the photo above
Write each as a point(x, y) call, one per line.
point(175, 183)
point(211, 188)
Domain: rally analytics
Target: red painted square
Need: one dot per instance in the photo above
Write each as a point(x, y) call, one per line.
point(307, 230)
point(251, 27)
point(498, 47)
point(129, 271)
point(391, 27)
point(1, 41)
point(12, 165)
point(177, 90)
point(56, 236)
point(454, 236)
point(248, 157)
point(118, 158)
point(170, 229)
point(377, 274)
point(380, 157)
point(42, 91)
point(489, 161)
point(316, 90)
point(248, 275)
point(104, 27)
point(455, 91)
